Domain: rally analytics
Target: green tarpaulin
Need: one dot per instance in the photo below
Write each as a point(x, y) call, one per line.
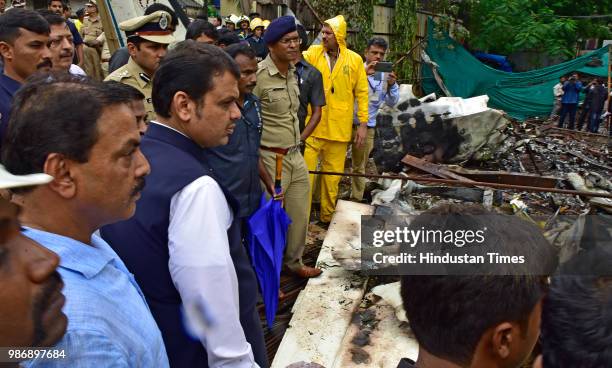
point(521, 95)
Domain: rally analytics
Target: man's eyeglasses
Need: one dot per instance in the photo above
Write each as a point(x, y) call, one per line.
point(289, 41)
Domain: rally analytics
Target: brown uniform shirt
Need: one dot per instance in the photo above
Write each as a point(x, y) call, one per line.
point(133, 75)
point(91, 29)
point(280, 101)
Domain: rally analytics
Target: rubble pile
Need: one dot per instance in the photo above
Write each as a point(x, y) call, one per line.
point(460, 151)
point(582, 162)
point(485, 145)
point(464, 141)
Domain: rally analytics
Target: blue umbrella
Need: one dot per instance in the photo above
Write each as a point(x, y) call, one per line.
point(267, 241)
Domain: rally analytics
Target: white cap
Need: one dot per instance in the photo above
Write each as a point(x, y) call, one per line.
point(8, 180)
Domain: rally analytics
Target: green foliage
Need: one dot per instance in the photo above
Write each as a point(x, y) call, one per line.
point(447, 20)
point(360, 17)
point(329, 9)
point(517, 25)
point(358, 14)
point(363, 20)
point(404, 31)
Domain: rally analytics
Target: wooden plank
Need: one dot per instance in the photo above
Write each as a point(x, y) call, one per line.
point(504, 177)
point(314, 12)
point(563, 133)
point(588, 160)
point(323, 310)
point(382, 17)
point(433, 169)
point(112, 38)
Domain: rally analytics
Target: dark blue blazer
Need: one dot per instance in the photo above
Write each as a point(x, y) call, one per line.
point(142, 243)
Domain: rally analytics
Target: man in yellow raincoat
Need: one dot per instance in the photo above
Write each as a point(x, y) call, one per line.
point(346, 88)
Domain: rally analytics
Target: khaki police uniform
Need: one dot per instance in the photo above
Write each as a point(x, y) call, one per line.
point(90, 31)
point(154, 28)
point(279, 97)
point(133, 75)
point(91, 28)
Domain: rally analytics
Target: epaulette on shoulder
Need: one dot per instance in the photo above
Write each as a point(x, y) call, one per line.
point(118, 76)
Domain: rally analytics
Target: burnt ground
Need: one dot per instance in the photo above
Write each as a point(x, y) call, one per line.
point(291, 286)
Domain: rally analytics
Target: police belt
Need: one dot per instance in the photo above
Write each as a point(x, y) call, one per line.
point(282, 151)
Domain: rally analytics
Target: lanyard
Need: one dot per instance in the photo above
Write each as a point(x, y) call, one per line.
point(374, 88)
point(242, 110)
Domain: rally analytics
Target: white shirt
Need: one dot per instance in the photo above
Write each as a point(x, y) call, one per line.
point(558, 90)
point(202, 268)
point(76, 70)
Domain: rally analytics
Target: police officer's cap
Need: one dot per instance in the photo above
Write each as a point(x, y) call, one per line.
point(155, 27)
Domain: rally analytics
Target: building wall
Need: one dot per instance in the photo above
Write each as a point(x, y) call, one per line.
point(42, 4)
point(230, 7)
point(77, 4)
point(382, 22)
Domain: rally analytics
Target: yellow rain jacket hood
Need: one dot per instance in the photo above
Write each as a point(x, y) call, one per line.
point(338, 25)
point(346, 86)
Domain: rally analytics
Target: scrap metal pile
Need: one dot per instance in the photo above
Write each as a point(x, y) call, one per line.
point(464, 140)
point(459, 150)
point(532, 169)
point(430, 151)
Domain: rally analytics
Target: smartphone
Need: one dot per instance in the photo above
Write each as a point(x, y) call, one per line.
point(383, 66)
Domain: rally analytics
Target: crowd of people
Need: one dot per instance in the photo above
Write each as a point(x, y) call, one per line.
point(126, 200)
point(567, 99)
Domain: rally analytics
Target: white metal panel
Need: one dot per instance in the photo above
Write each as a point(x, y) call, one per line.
point(321, 329)
point(323, 310)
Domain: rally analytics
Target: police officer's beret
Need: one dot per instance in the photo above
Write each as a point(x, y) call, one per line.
point(155, 27)
point(278, 28)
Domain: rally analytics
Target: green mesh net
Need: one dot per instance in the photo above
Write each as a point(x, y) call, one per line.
point(521, 95)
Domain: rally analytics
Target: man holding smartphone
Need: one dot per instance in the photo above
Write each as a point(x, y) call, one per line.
point(570, 99)
point(382, 88)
